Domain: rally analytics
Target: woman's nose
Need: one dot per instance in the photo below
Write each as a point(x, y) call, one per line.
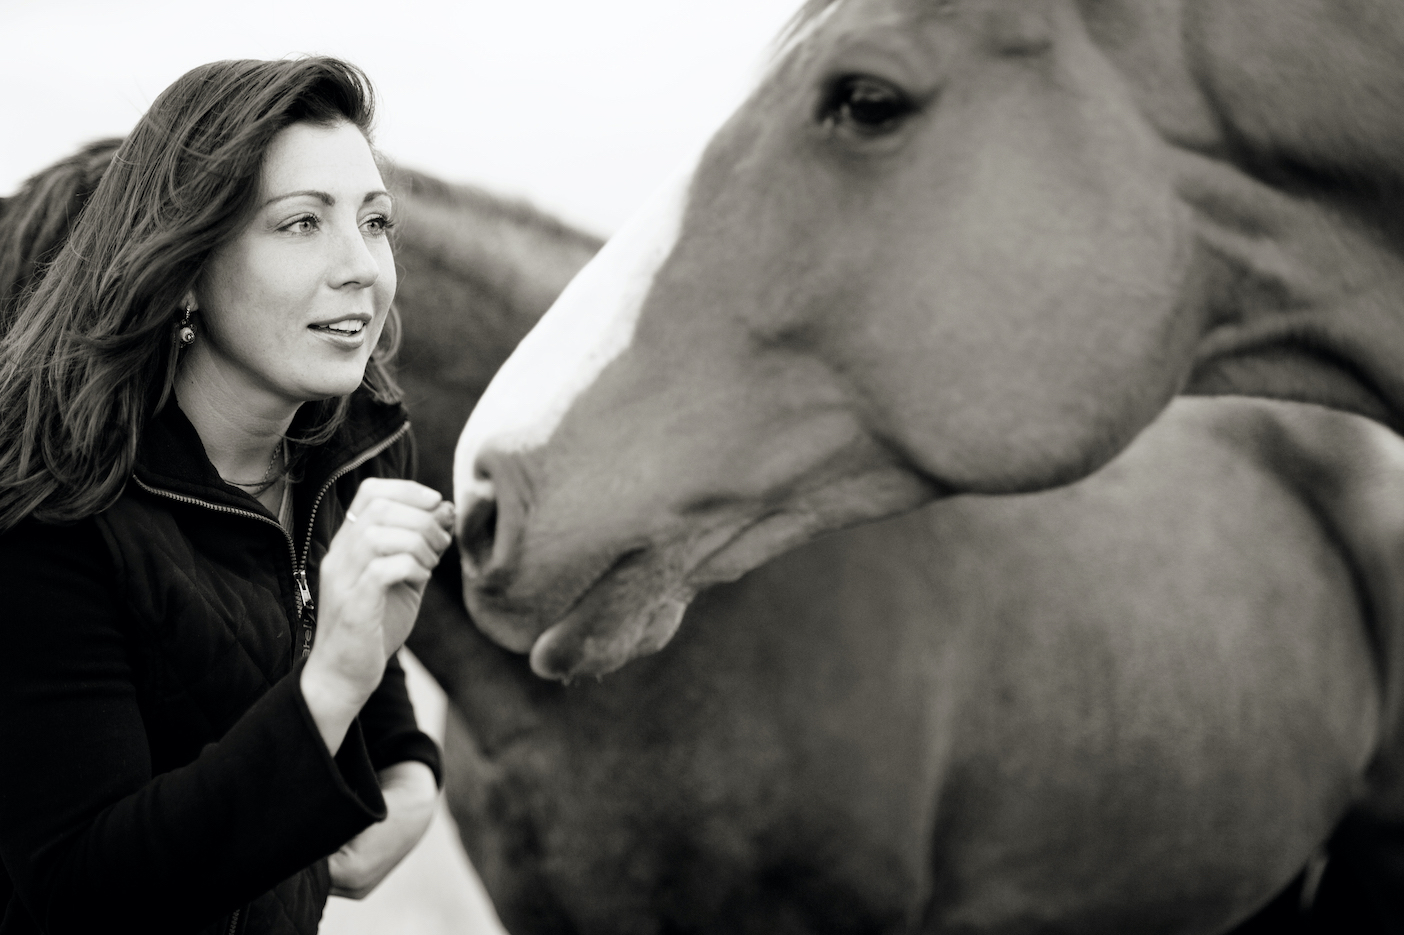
point(355, 264)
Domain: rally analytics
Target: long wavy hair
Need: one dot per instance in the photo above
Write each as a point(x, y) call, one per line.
point(90, 354)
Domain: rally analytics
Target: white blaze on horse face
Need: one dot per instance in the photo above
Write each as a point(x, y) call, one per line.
point(591, 324)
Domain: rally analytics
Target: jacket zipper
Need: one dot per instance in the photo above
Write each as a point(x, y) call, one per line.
point(308, 615)
point(234, 922)
point(306, 608)
point(335, 476)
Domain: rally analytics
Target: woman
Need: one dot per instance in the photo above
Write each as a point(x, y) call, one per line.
point(207, 553)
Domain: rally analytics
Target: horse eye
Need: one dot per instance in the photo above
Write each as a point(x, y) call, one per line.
point(866, 106)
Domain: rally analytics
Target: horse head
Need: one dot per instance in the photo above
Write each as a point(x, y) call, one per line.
point(944, 247)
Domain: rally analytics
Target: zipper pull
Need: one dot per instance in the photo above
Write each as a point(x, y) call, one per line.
point(303, 589)
point(307, 616)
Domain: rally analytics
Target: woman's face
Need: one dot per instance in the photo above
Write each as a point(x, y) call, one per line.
point(291, 309)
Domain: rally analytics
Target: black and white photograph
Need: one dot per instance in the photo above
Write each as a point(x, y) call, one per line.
point(654, 467)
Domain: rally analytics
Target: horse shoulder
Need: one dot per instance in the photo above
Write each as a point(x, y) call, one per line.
point(1175, 646)
point(1350, 473)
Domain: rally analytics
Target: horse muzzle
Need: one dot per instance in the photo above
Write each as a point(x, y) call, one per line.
point(577, 612)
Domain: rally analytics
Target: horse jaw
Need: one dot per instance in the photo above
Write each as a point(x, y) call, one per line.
point(621, 617)
point(565, 652)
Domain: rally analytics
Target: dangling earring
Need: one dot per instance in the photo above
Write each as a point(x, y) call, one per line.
point(185, 332)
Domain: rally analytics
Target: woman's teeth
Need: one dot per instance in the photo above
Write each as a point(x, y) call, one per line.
point(343, 327)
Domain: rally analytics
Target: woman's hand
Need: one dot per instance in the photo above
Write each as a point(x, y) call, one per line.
point(372, 579)
point(365, 860)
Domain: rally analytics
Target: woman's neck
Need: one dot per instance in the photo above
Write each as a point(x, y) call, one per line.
point(241, 432)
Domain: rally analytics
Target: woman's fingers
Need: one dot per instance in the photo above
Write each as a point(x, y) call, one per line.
point(383, 541)
point(406, 492)
point(430, 523)
point(386, 531)
point(392, 516)
point(435, 524)
point(400, 568)
point(372, 578)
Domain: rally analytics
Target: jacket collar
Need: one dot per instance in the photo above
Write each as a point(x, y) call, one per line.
point(172, 457)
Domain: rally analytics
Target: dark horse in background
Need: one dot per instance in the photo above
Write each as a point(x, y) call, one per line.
point(1137, 704)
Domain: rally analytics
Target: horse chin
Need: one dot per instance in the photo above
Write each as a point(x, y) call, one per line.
point(591, 640)
point(511, 633)
point(499, 621)
point(574, 647)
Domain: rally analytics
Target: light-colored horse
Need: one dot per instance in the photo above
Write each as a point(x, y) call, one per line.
point(946, 246)
point(1136, 704)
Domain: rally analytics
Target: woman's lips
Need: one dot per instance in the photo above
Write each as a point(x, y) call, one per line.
point(346, 326)
point(348, 332)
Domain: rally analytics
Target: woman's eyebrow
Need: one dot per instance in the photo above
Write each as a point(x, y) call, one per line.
point(324, 197)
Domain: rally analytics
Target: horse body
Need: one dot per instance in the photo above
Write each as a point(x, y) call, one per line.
point(1139, 703)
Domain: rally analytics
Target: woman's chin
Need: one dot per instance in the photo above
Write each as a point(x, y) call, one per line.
point(332, 385)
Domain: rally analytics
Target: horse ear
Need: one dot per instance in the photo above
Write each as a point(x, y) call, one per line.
point(1018, 27)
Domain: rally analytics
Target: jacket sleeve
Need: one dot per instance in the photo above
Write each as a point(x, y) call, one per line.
point(388, 722)
point(88, 836)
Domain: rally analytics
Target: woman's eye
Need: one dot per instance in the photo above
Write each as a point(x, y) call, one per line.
point(866, 106)
point(303, 225)
point(378, 224)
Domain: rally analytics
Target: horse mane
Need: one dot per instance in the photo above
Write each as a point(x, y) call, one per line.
point(476, 272)
point(502, 245)
point(37, 219)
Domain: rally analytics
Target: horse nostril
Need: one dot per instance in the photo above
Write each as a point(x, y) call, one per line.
point(478, 532)
point(492, 520)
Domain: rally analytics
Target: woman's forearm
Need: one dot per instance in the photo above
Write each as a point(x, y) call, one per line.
point(411, 796)
point(332, 702)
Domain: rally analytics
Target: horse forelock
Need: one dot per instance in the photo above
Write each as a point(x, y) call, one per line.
point(807, 14)
point(810, 17)
point(805, 20)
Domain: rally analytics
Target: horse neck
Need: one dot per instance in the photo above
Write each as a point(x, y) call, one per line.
point(1291, 185)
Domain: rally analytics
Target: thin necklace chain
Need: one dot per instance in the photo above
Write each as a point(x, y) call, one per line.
point(263, 483)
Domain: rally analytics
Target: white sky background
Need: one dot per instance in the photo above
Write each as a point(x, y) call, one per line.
point(580, 106)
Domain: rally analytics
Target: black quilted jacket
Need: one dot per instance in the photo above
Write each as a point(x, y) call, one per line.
point(159, 770)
